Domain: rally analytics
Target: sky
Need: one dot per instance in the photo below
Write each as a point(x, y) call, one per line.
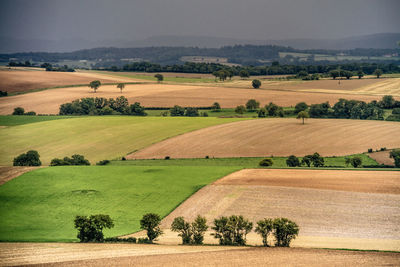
point(240, 19)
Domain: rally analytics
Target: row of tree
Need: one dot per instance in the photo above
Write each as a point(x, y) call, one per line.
point(102, 106)
point(230, 230)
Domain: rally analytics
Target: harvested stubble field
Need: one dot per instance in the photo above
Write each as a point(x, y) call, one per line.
point(18, 81)
point(229, 94)
point(278, 137)
point(47, 254)
point(333, 208)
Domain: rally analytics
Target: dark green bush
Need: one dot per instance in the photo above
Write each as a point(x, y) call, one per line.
point(30, 158)
point(293, 161)
point(266, 162)
point(18, 111)
point(90, 229)
point(74, 160)
point(103, 162)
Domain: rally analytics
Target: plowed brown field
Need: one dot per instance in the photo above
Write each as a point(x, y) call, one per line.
point(24, 81)
point(9, 173)
point(382, 157)
point(278, 137)
point(331, 207)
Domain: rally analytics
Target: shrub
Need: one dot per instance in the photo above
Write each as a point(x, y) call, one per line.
point(18, 111)
point(274, 110)
point(3, 93)
point(103, 162)
point(264, 228)
point(30, 158)
point(216, 107)
point(123, 158)
point(150, 222)
point(252, 105)
point(120, 240)
point(232, 230)
point(266, 162)
point(30, 113)
point(191, 112)
point(396, 111)
point(143, 240)
point(284, 231)
point(159, 77)
point(356, 162)
point(240, 109)
point(74, 160)
point(395, 154)
point(292, 161)
point(167, 157)
point(370, 150)
point(177, 111)
point(90, 229)
point(262, 113)
point(204, 114)
point(307, 160)
point(256, 84)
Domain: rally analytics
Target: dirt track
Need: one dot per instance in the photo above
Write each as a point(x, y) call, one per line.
point(253, 257)
point(9, 173)
point(278, 137)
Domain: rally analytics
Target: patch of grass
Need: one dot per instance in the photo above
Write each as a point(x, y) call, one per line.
point(279, 162)
point(41, 205)
point(9, 120)
point(97, 137)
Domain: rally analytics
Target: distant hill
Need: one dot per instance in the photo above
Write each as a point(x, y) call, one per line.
point(378, 41)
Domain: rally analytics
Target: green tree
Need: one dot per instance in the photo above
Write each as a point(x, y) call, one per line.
point(360, 74)
point(256, 84)
point(183, 228)
point(262, 113)
point(378, 73)
point(347, 74)
point(356, 162)
point(121, 86)
point(302, 74)
point(199, 227)
point(240, 109)
point(159, 77)
point(216, 107)
point(301, 106)
point(191, 112)
point(18, 111)
point(293, 161)
point(334, 74)
point(30, 158)
point(303, 115)
point(317, 160)
point(252, 105)
point(177, 111)
point(150, 222)
point(285, 231)
point(387, 102)
point(395, 154)
point(232, 230)
point(264, 228)
point(95, 85)
point(244, 74)
point(90, 229)
point(307, 160)
point(266, 162)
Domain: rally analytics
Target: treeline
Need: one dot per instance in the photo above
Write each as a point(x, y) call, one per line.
point(50, 67)
point(274, 69)
point(102, 106)
point(240, 54)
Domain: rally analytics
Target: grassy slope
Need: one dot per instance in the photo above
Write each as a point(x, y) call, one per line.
point(9, 120)
point(41, 205)
point(96, 138)
point(279, 162)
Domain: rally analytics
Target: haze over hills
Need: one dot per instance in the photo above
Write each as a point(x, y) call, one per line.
point(379, 41)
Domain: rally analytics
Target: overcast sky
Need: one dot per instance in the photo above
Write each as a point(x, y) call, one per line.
point(241, 19)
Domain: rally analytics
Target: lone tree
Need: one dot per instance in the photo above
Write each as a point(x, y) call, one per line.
point(95, 85)
point(264, 228)
point(284, 230)
point(159, 77)
point(18, 111)
point(303, 115)
point(252, 105)
point(121, 86)
point(150, 222)
point(293, 161)
point(256, 84)
point(360, 74)
point(90, 229)
point(30, 158)
point(216, 107)
point(378, 73)
point(266, 162)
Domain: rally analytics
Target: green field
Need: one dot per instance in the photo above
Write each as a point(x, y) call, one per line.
point(97, 138)
point(10, 120)
point(279, 162)
point(41, 205)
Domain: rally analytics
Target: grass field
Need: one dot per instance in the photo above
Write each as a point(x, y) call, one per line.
point(279, 162)
point(41, 205)
point(96, 138)
point(10, 120)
